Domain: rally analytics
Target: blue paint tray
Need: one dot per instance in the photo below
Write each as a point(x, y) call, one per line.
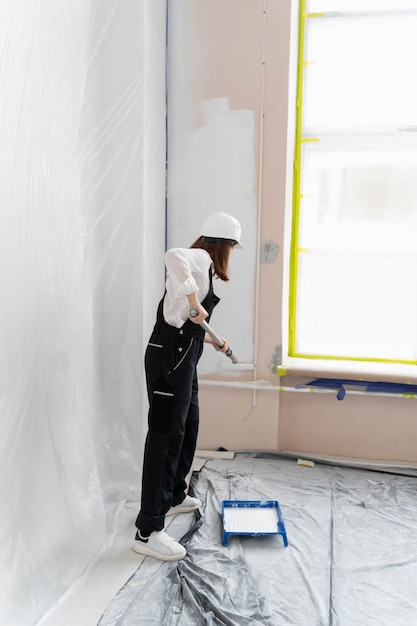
point(252, 517)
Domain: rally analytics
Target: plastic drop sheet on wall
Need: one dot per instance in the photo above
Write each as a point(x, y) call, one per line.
point(74, 120)
point(351, 558)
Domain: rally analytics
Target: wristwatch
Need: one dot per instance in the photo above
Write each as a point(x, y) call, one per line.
point(193, 312)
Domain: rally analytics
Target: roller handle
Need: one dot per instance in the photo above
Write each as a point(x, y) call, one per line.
point(215, 336)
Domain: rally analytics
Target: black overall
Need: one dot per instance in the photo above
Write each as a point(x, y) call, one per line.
point(171, 359)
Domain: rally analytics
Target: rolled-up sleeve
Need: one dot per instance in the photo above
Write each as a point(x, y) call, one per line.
point(182, 264)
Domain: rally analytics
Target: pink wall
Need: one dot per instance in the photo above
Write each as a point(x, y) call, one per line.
point(230, 37)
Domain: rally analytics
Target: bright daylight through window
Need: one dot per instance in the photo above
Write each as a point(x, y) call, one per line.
point(353, 284)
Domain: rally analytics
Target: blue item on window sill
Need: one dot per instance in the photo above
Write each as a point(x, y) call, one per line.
point(375, 387)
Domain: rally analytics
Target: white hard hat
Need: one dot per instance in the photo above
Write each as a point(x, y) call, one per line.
point(222, 226)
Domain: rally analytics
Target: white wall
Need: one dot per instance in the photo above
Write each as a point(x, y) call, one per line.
point(211, 167)
point(82, 160)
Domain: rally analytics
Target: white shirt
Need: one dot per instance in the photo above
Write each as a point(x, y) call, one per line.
point(188, 271)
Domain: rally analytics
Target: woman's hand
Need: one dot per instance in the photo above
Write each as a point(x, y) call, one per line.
point(201, 315)
point(224, 348)
point(197, 312)
point(209, 339)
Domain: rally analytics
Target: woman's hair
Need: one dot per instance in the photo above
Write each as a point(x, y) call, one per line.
point(220, 254)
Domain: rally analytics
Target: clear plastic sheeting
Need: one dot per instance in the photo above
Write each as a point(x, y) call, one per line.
point(78, 102)
point(351, 559)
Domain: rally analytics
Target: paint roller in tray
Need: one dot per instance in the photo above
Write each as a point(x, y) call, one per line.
point(215, 336)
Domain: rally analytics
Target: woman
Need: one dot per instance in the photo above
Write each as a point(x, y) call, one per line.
point(171, 358)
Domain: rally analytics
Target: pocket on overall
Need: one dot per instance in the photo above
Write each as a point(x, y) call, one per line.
point(160, 355)
point(161, 409)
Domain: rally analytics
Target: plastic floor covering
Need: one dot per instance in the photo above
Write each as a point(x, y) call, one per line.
point(351, 558)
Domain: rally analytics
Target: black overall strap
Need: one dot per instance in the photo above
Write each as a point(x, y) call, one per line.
point(189, 327)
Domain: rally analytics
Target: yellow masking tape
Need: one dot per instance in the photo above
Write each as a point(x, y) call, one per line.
point(281, 371)
point(354, 359)
point(297, 196)
point(305, 462)
point(296, 186)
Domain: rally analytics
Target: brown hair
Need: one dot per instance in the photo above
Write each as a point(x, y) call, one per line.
point(220, 254)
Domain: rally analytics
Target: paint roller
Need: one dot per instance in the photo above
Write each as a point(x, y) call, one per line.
point(215, 336)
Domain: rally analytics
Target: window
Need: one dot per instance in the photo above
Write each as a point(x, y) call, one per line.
point(353, 284)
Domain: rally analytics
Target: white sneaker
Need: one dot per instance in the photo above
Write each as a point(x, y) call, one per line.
point(159, 545)
point(186, 506)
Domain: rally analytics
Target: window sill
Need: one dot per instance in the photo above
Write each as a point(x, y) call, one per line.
point(354, 370)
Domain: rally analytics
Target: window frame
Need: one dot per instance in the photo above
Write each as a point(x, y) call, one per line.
point(341, 364)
